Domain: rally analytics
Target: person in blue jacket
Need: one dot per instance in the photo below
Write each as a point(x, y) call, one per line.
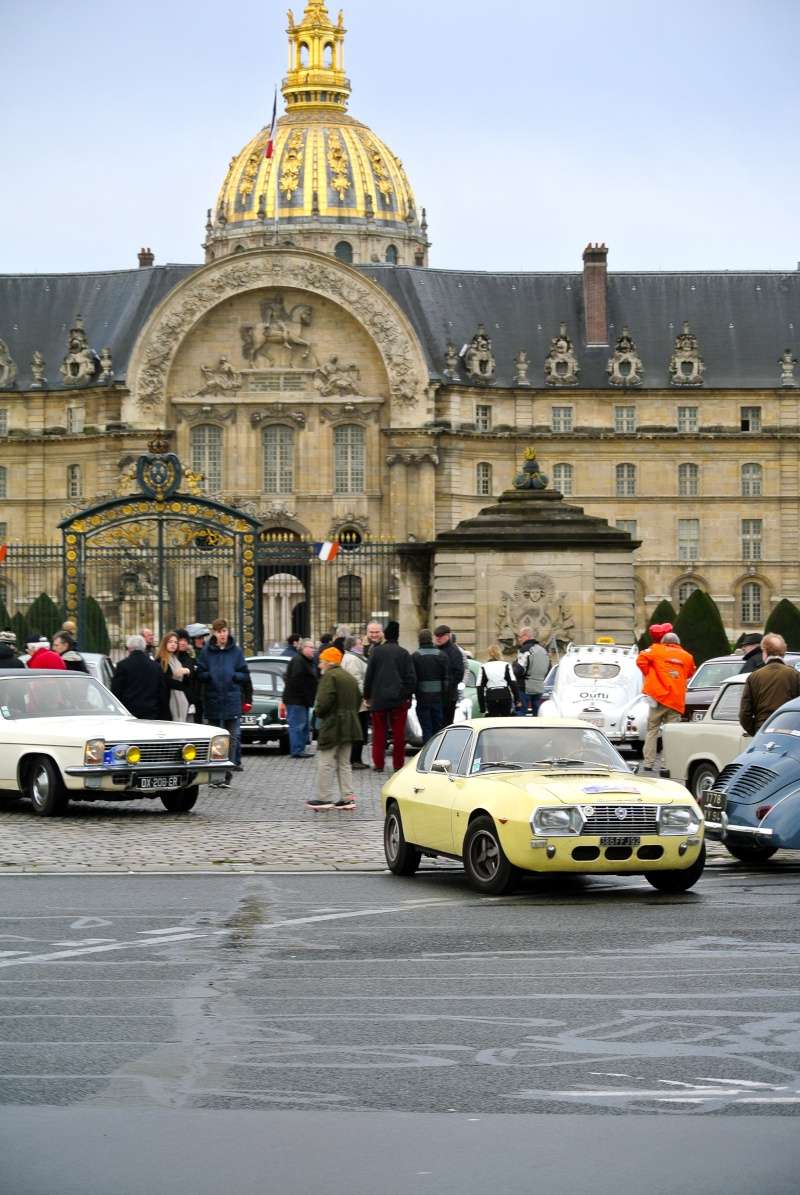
point(223, 671)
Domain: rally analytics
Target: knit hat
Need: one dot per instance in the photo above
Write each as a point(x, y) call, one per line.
point(658, 630)
point(331, 655)
point(8, 637)
point(392, 632)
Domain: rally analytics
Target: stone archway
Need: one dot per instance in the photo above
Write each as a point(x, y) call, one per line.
point(281, 594)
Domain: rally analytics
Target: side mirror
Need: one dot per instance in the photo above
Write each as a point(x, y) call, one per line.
point(441, 765)
point(634, 767)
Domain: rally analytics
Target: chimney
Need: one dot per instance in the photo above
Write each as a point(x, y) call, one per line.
point(595, 293)
point(146, 258)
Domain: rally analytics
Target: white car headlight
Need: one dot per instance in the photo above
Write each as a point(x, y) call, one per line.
point(220, 746)
point(557, 821)
point(678, 819)
point(94, 751)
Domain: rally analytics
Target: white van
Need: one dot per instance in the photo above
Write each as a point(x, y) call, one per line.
point(601, 684)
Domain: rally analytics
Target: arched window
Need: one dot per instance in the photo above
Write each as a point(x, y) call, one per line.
point(344, 252)
point(685, 591)
point(278, 460)
point(562, 479)
point(483, 486)
point(688, 481)
point(392, 255)
point(752, 603)
point(206, 444)
point(303, 54)
point(3, 481)
point(752, 480)
point(626, 481)
point(206, 598)
point(348, 600)
point(74, 482)
point(327, 55)
point(348, 459)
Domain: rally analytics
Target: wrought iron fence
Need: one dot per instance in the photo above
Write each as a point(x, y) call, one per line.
point(28, 571)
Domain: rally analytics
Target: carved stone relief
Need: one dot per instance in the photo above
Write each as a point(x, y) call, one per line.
point(336, 380)
point(220, 379)
point(686, 366)
point(350, 411)
point(37, 371)
point(280, 330)
point(347, 522)
point(479, 361)
point(8, 368)
point(413, 456)
point(186, 414)
point(625, 367)
point(106, 366)
point(534, 603)
point(561, 365)
point(788, 364)
point(278, 411)
point(81, 361)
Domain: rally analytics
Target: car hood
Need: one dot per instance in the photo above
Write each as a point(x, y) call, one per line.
point(60, 731)
point(590, 787)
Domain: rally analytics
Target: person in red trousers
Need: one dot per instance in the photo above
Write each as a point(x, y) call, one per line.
point(388, 688)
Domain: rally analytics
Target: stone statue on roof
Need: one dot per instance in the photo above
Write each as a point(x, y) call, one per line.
point(8, 368)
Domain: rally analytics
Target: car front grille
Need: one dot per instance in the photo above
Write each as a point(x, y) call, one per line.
point(739, 780)
point(156, 754)
point(609, 819)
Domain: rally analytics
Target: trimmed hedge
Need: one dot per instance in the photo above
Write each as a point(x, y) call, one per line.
point(785, 620)
point(700, 629)
point(94, 636)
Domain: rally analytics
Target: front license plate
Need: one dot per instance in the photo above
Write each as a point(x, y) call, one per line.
point(715, 800)
point(620, 840)
point(148, 783)
point(698, 715)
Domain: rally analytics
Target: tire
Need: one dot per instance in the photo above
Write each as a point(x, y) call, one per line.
point(181, 802)
point(284, 744)
point(402, 859)
point(750, 852)
point(702, 779)
point(680, 880)
point(45, 788)
point(488, 870)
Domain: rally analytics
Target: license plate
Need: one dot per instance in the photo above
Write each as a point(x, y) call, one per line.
point(715, 800)
point(620, 840)
point(698, 715)
point(148, 783)
point(249, 720)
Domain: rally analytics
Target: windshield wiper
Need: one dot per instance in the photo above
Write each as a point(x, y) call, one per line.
point(574, 763)
point(504, 763)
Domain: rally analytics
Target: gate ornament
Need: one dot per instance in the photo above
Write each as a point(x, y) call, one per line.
point(159, 475)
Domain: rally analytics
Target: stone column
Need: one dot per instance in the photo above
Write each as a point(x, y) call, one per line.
point(422, 512)
point(398, 496)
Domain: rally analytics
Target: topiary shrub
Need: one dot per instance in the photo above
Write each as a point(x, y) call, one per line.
point(785, 620)
point(699, 627)
point(664, 612)
point(20, 628)
point(94, 633)
point(44, 616)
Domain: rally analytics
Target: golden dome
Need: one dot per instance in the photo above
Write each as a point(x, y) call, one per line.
point(327, 170)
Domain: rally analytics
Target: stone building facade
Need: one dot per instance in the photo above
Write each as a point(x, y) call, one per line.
point(323, 377)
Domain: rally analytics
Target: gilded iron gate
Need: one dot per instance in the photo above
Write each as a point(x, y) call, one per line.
point(161, 557)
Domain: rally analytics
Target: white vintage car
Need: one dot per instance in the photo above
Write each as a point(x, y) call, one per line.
point(694, 753)
point(64, 736)
point(600, 683)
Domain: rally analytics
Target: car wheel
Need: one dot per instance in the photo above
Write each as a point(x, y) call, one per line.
point(181, 802)
point(45, 788)
point(488, 870)
point(284, 744)
point(704, 776)
point(750, 852)
point(680, 880)
point(402, 859)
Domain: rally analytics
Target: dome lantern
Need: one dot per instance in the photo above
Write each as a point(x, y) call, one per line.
point(316, 75)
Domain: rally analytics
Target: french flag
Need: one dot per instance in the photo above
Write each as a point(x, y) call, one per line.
point(270, 150)
point(3, 553)
point(327, 551)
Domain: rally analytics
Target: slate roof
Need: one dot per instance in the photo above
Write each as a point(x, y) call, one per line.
point(744, 321)
point(536, 518)
point(37, 311)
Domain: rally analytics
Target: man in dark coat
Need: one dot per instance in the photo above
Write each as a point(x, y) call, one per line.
point(388, 689)
point(766, 689)
point(752, 657)
point(223, 671)
point(139, 682)
point(299, 694)
point(431, 670)
point(338, 700)
point(443, 638)
point(64, 644)
point(8, 652)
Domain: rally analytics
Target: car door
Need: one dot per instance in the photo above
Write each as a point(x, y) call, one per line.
point(436, 792)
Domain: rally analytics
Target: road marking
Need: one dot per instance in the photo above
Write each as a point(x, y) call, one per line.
point(89, 923)
point(83, 942)
point(170, 929)
point(11, 953)
point(58, 955)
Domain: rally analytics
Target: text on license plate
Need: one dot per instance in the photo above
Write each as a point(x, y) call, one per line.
point(146, 783)
point(715, 800)
point(249, 720)
point(620, 839)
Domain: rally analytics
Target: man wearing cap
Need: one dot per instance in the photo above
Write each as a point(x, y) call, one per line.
point(336, 710)
point(388, 688)
point(752, 656)
point(443, 638)
point(8, 651)
point(41, 655)
point(667, 669)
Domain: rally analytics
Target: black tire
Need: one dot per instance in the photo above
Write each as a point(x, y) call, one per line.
point(702, 779)
point(181, 802)
point(488, 870)
point(402, 859)
point(45, 788)
point(284, 744)
point(679, 880)
point(750, 852)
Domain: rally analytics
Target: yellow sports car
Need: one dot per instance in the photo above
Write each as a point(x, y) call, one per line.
point(545, 795)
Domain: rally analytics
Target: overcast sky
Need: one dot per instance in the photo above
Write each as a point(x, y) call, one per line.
point(527, 128)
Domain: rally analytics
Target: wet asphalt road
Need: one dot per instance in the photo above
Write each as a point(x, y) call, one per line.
point(366, 1033)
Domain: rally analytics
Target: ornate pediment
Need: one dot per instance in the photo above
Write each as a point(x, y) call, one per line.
point(561, 365)
point(625, 367)
point(479, 362)
point(194, 414)
point(686, 366)
point(277, 412)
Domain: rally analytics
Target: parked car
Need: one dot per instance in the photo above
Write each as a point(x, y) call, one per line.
point(100, 666)
point(64, 736)
point(705, 683)
point(753, 807)
point(262, 723)
point(694, 753)
point(547, 795)
point(600, 683)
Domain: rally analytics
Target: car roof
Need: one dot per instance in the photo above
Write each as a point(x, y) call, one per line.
point(738, 678)
point(538, 723)
point(268, 659)
point(28, 672)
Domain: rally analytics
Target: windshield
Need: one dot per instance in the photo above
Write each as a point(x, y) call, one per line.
point(267, 684)
point(787, 723)
point(533, 746)
point(68, 696)
point(711, 674)
point(597, 671)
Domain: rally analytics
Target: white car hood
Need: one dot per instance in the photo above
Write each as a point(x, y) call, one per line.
point(78, 730)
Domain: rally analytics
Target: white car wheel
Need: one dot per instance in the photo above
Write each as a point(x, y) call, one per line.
point(45, 788)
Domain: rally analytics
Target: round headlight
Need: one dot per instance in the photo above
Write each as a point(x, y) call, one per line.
point(133, 755)
point(189, 752)
point(220, 745)
point(94, 751)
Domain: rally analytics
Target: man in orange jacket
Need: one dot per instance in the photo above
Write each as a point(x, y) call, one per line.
point(667, 669)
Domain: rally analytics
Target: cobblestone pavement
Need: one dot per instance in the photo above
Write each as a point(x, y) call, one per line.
point(262, 822)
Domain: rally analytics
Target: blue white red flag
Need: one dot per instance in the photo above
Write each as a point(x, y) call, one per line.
point(3, 552)
point(270, 150)
point(327, 551)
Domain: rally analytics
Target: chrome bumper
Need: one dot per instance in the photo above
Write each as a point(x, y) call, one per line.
point(723, 828)
point(100, 771)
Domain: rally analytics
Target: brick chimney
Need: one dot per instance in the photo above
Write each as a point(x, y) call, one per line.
point(595, 293)
point(146, 258)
